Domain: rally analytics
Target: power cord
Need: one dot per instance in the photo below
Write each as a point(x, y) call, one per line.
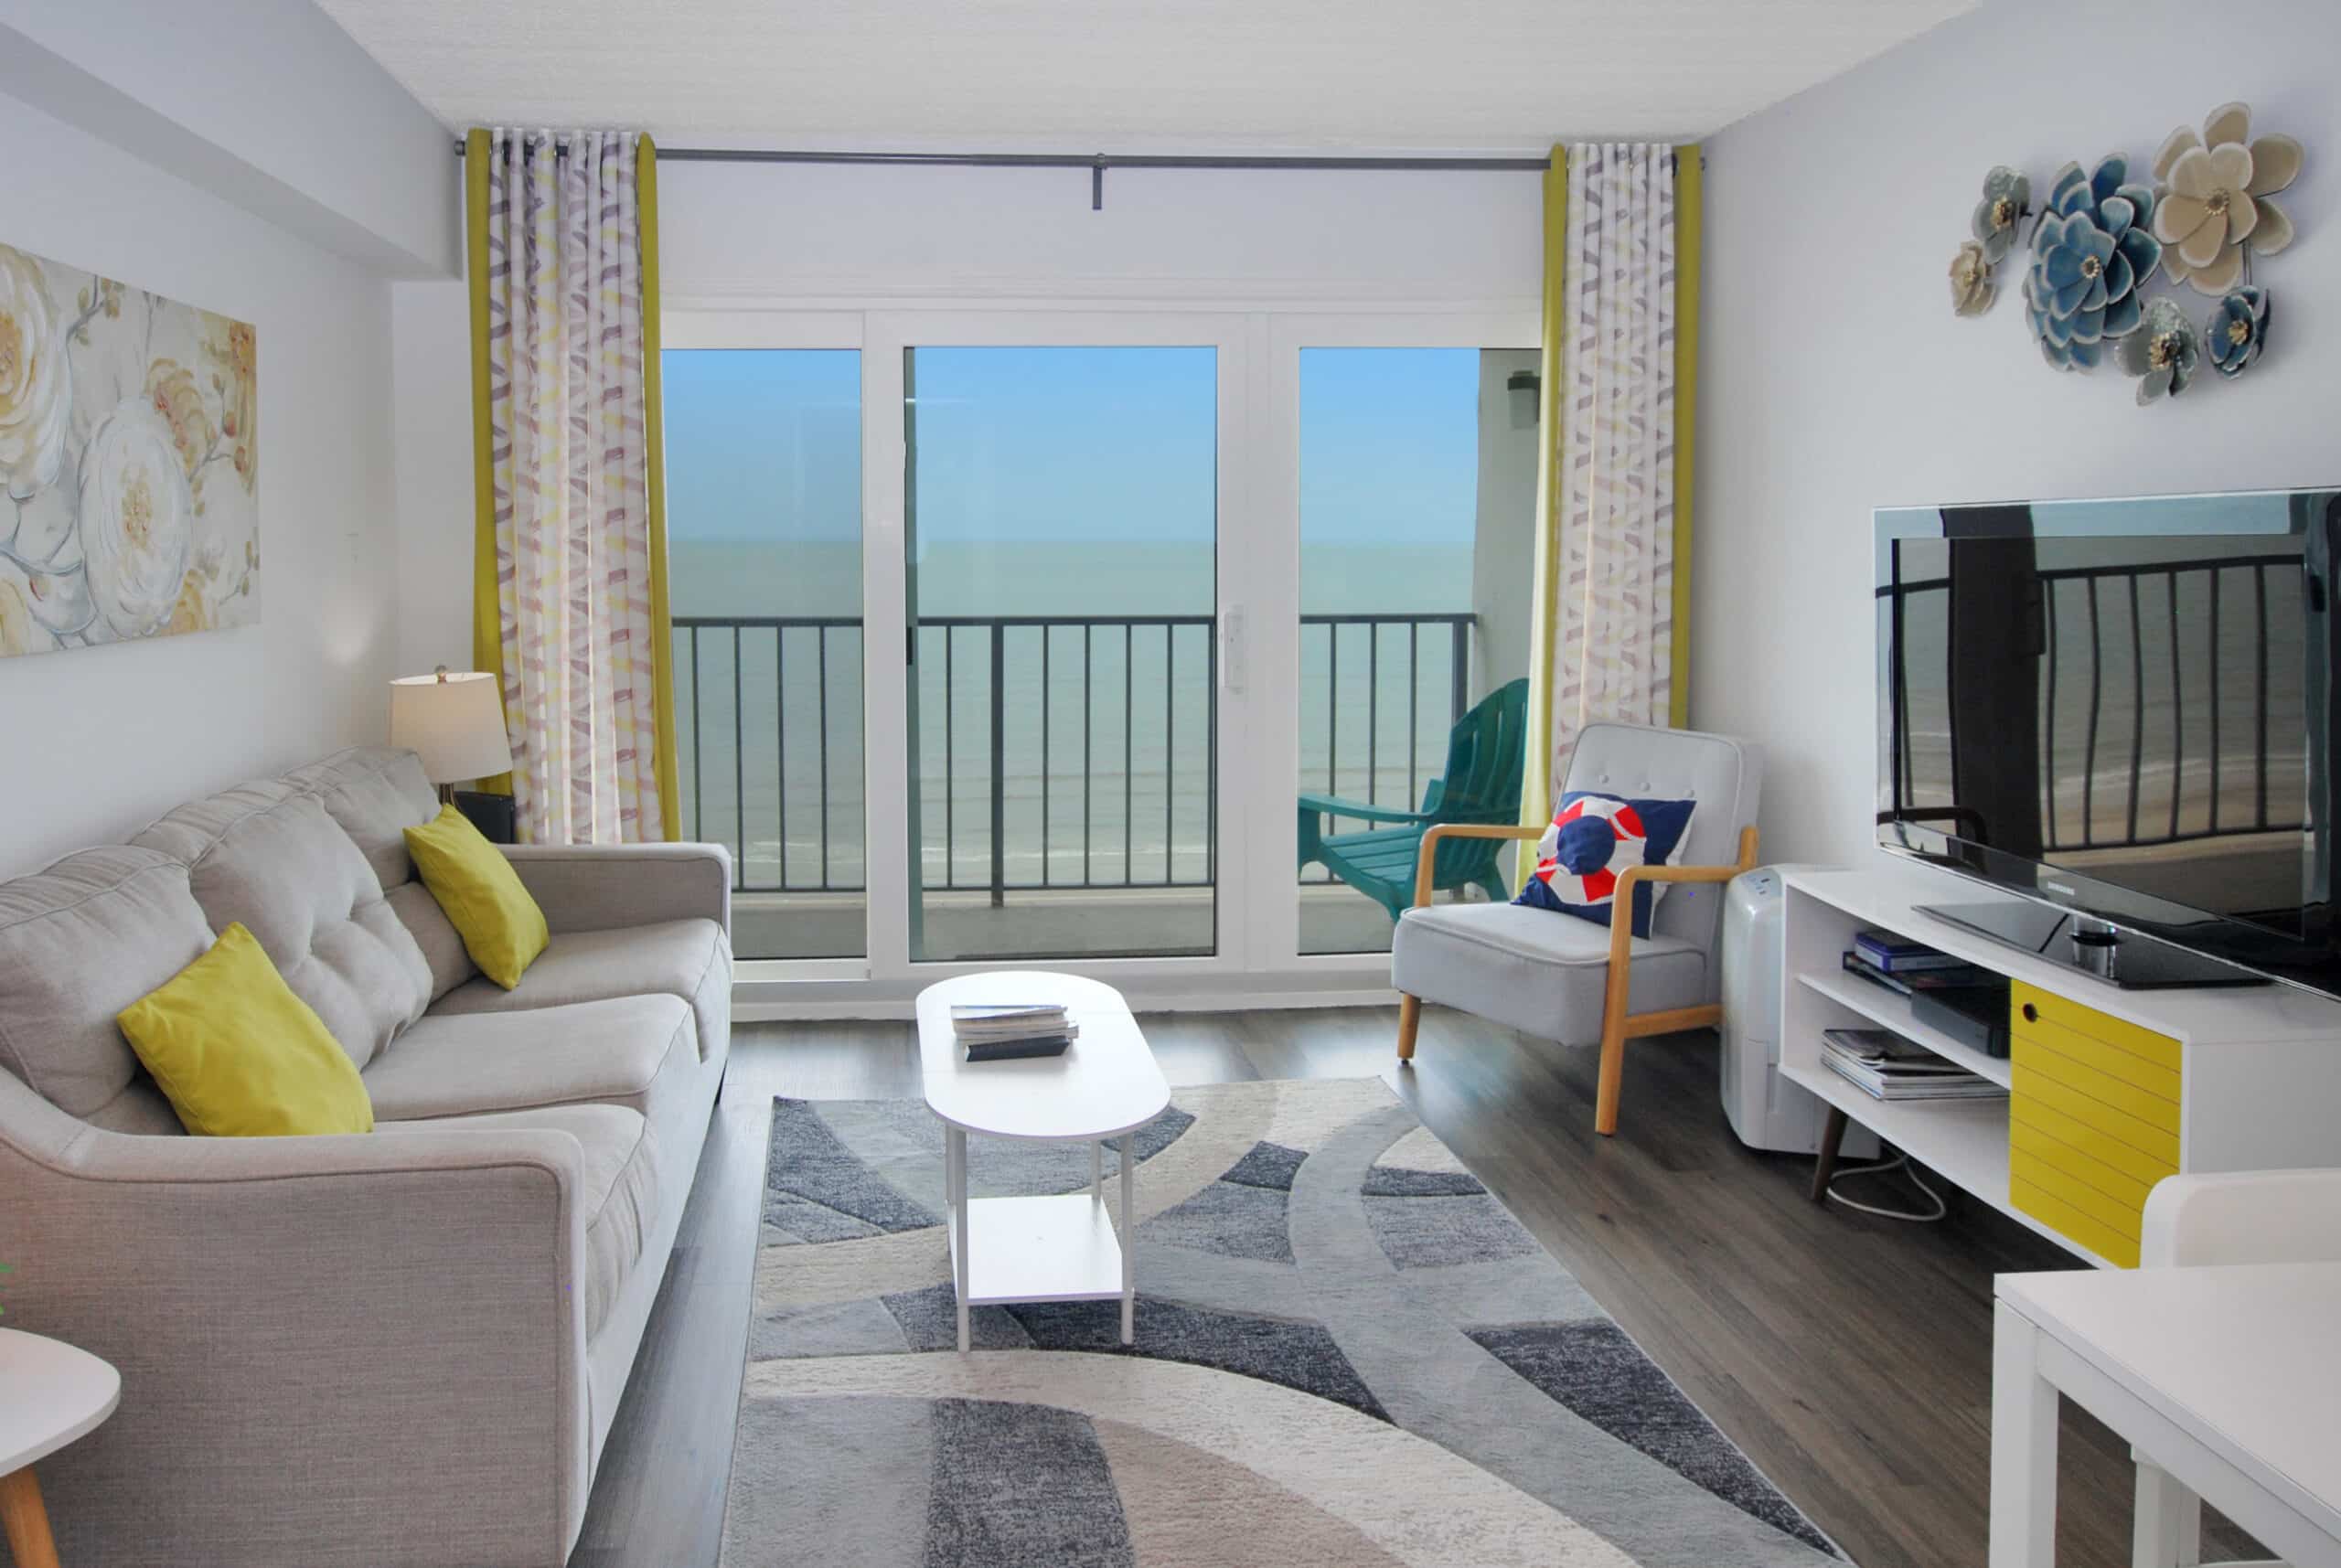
point(1901, 1162)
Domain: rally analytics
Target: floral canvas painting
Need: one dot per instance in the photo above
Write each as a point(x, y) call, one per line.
point(129, 462)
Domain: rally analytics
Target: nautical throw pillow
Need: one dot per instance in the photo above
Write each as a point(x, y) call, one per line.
point(1593, 838)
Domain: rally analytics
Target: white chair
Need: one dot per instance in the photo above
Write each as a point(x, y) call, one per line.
point(2242, 1216)
point(1558, 978)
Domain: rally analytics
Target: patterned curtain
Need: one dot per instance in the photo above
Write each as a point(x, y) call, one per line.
point(566, 386)
point(1607, 499)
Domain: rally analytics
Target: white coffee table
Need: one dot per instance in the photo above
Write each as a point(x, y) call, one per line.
point(50, 1393)
point(1060, 1247)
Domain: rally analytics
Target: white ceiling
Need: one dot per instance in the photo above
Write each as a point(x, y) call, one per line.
point(1125, 75)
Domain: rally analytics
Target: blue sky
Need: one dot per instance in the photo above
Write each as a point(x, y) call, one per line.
point(1057, 444)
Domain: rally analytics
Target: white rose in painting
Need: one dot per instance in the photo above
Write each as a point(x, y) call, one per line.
point(137, 517)
point(19, 632)
point(36, 384)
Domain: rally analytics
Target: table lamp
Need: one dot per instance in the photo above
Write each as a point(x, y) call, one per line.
point(454, 722)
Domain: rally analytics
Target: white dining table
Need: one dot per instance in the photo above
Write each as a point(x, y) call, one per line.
point(2228, 1378)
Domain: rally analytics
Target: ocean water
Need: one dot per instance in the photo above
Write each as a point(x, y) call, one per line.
point(1106, 745)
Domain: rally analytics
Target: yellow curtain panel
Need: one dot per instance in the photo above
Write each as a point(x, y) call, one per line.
point(1536, 778)
point(487, 633)
point(662, 623)
point(1633, 232)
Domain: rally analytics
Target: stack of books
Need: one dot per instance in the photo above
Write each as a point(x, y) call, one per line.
point(1904, 966)
point(1885, 1066)
point(997, 1032)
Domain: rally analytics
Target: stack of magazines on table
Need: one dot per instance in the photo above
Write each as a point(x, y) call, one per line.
point(1901, 965)
point(1885, 1066)
point(997, 1032)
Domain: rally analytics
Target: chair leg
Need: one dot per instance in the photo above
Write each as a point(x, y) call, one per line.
point(1410, 1017)
point(1613, 1074)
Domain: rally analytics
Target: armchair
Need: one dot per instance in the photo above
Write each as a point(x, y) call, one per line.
point(1557, 977)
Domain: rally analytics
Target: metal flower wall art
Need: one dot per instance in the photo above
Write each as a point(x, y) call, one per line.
point(2099, 239)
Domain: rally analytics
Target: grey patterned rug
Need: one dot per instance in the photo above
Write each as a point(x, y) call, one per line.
point(1348, 1354)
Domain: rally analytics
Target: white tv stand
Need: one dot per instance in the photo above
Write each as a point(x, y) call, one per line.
point(2113, 1088)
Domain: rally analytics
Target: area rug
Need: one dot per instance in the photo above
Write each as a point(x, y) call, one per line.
point(1347, 1355)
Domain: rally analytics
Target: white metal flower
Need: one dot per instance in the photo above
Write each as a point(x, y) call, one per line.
point(2216, 199)
point(36, 380)
point(137, 517)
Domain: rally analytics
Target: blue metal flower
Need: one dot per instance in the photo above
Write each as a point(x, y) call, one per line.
point(2237, 330)
point(2092, 251)
point(2162, 353)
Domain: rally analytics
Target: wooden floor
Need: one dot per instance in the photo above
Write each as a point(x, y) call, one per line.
point(1849, 1356)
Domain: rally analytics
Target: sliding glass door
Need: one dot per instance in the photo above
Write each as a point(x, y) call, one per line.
point(764, 506)
point(1061, 522)
point(1091, 601)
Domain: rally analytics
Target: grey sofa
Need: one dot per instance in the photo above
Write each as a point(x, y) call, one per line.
point(399, 1348)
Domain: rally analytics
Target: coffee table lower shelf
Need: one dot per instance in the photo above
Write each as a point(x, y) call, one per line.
point(1057, 1248)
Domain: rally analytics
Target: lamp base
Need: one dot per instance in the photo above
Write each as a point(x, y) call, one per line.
point(493, 815)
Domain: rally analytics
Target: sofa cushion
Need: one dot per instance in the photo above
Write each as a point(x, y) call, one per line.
point(685, 958)
point(1540, 974)
point(619, 1192)
point(269, 857)
point(376, 793)
point(453, 1065)
point(78, 942)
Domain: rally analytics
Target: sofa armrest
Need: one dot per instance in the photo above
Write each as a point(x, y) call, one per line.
point(2243, 1217)
point(600, 887)
point(382, 1316)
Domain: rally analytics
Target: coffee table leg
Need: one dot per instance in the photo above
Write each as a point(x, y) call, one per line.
point(1097, 1172)
point(1129, 1243)
point(26, 1520)
point(954, 1176)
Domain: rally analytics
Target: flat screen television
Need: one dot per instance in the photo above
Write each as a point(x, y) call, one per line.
point(2123, 709)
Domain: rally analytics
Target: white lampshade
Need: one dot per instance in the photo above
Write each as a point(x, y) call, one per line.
point(455, 721)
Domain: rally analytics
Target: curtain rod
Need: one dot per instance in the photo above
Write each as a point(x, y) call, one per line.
point(1096, 163)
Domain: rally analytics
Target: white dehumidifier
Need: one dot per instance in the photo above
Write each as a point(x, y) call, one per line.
point(1765, 1110)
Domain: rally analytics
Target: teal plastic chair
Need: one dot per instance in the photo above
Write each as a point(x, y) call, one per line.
point(1487, 752)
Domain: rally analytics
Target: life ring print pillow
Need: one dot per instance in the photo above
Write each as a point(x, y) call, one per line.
point(1593, 839)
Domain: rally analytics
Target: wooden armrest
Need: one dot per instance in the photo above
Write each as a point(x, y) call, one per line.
point(1358, 810)
point(1424, 857)
point(1622, 931)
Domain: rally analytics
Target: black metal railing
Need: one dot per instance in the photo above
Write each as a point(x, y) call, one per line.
point(1051, 751)
point(2101, 674)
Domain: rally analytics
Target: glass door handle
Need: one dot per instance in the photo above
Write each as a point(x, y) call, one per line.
point(1230, 649)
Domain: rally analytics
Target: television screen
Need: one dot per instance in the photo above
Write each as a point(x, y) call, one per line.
point(2122, 704)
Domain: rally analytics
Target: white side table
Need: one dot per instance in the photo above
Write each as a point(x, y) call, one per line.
point(2225, 1377)
point(50, 1393)
point(1105, 1086)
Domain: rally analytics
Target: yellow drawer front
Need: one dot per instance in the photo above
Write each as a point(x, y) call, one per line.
point(2114, 1062)
point(2093, 1120)
point(2101, 1148)
point(2085, 1074)
point(2067, 1221)
point(2034, 1006)
point(2091, 1111)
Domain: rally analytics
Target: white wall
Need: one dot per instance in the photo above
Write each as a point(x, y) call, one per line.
point(96, 741)
point(267, 103)
point(1835, 378)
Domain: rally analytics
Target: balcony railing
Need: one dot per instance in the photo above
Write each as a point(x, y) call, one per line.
point(1051, 751)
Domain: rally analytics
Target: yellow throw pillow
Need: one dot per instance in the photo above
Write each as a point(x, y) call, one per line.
point(239, 1055)
point(502, 927)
